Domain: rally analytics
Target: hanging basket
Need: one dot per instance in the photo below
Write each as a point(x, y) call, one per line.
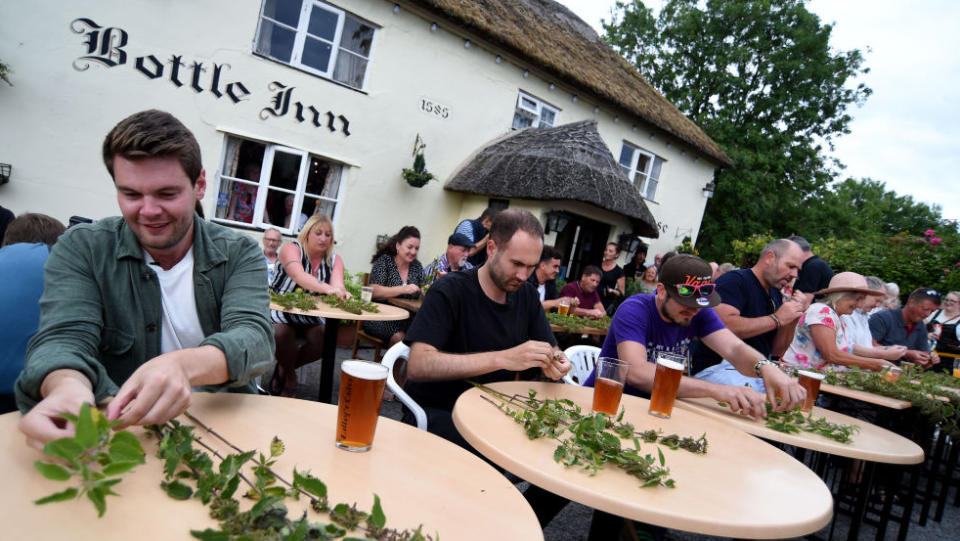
point(418, 176)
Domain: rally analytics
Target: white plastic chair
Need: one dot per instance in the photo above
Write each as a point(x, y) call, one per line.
point(583, 358)
point(398, 351)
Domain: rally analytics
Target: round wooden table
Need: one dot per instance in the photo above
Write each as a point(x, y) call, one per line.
point(864, 396)
point(741, 488)
point(870, 443)
point(420, 478)
point(333, 317)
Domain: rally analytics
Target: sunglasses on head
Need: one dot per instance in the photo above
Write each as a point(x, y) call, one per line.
point(702, 290)
point(932, 293)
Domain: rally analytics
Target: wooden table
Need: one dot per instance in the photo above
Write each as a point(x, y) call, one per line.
point(864, 396)
point(420, 478)
point(585, 331)
point(871, 443)
point(410, 305)
point(333, 316)
point(741, 488)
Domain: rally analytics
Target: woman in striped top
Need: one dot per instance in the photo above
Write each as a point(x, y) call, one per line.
point(309, 264)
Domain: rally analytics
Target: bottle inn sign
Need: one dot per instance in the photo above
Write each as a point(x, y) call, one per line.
point(106, 47)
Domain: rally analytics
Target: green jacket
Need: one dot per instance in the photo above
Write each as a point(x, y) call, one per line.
point(101, 309)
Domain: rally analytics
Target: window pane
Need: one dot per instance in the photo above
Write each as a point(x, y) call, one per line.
point(241, 202)
point(279, 210)
point(547, 116)
point(527, 103)
point(655, 170)
point(323, 23)
point(643, 164)
point(350, 69)
point(275, 42)
point(316, 54)
point(285, 11)
point(626, 172)
point(521, 121)
point(323, 178)
point(651, 189)
point(356, 37)
point(285, 171)
point(626, 157)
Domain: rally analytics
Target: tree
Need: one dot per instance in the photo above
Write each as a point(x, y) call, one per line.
point(759, 77)
point(5, 73)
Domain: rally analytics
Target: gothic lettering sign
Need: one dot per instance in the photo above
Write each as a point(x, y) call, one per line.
point(106, 47)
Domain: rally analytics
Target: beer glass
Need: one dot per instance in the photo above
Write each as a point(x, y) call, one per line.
point(892, 373)
point(811, 382)
point(666, 382)
point(956, 368)
point(563, 307)
point(361, 390)
point(366, 293)
point(608, 387)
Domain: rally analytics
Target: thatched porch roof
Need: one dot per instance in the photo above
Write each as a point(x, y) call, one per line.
point(553, 39)
point(569, 162)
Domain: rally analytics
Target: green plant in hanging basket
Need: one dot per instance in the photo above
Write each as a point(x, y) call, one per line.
point(418, 176)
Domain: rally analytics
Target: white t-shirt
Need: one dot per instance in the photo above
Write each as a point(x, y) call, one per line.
point(542, 290)
point(858, 328)
point(180, 328)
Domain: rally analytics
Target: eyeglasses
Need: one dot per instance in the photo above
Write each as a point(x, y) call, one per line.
point(687, 290)
point(949, 301)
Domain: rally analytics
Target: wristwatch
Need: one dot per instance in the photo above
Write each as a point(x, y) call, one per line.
point(763, 362)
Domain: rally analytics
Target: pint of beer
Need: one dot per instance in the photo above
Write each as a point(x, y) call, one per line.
point(563, 308)
point(608, 387)
point(811, 382)
point(666, 382)
point(361, 390)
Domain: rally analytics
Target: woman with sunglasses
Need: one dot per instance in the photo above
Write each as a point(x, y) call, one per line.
point(947, 317)
point(822, 339)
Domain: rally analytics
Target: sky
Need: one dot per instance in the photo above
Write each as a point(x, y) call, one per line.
point(907, 134)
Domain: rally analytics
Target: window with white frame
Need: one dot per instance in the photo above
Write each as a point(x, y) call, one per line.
point(316, 37)
point(266, 185)
point(533, 112)
point(642, 168)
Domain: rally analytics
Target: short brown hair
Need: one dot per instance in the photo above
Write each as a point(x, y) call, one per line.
point(591, 270)
point(153, 134)
point(924, 294)
point(507, 222)
point(33, 227)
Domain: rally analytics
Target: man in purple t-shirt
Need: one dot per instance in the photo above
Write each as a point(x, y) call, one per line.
point(679, 312)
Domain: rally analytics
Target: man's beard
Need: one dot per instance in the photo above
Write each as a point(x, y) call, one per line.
point(501, 280)
point(668, 317)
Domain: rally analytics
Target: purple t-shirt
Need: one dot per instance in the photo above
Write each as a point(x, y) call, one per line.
point(638, 320)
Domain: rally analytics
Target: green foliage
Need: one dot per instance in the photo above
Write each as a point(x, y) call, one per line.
point(96, 455)
point(686, 247)
point(794, 421)
point(590, 441)
point(760, 78)
point(576, 324)
point(215, 486)
point(418, 176)
point(307, 301)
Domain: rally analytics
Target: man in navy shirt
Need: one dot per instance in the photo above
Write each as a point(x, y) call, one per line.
point(904, 327)
point(753, 307)
point(669, 320)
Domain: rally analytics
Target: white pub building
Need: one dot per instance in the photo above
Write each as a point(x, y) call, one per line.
point(304, 106)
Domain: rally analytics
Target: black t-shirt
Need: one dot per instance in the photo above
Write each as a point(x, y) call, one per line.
point(741, 289)
point(608, 280)
point(634, 271)
point(549, 287)
point(814, 275)
point(458, 317)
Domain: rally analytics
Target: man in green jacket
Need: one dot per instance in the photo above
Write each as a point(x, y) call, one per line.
point(148, 306)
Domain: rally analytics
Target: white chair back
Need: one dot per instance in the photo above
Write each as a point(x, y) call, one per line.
point(398, 351)
point(583, 359)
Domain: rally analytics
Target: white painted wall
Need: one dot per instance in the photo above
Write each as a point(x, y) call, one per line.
point(55, 117)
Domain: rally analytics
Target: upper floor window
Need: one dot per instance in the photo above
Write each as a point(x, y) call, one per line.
point(266, 185)
point(533, 112)
point(316, 37)
point(642, 168)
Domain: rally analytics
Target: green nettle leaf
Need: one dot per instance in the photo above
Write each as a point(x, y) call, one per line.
point(177, 490)
point(276, 447)
point(97, 496)
point(69, 417)
point(61, 496)
point(126, 447)
point(54, 472)
point(65, 448)
point(310, 484)
point(377, 519)
point(116, 468)
point(263, 505)
point(87, 435)
point(210, 535)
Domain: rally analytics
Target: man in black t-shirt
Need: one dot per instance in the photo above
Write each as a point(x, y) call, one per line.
point(753, 307)
point(483, 324)
point(815, 273)
point(544, 278)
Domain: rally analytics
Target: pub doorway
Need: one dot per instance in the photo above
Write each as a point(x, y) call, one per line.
point(581, 242)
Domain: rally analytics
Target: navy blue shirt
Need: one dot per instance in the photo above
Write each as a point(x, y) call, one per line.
point(742, 290)
point(888, 329)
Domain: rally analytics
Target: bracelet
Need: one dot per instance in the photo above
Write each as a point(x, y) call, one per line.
point(761, 363)
point(776, 320)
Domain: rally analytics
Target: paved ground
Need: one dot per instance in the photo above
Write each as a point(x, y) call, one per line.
point(573, 523)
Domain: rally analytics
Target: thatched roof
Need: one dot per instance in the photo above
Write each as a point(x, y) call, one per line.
point(569, 162)
point(550, 36)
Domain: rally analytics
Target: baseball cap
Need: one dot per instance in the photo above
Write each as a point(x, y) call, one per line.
point(692, 274)
point(459, 239)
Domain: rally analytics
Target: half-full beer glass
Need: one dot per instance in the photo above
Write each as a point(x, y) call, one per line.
point(811, 382)
point(361, 390)
point(666, 382)
point(608, 387)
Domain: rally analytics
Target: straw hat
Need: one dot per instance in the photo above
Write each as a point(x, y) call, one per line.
point(849, 281)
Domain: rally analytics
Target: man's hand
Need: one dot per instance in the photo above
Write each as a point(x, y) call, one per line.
point(792, 394)
point(530, 354)
point(742, 399)
point(934, 359)
point(789, 311)
point(921, 358)
point(64, 391)
point(595, 313)
point(156, 392)
point(558, 366)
